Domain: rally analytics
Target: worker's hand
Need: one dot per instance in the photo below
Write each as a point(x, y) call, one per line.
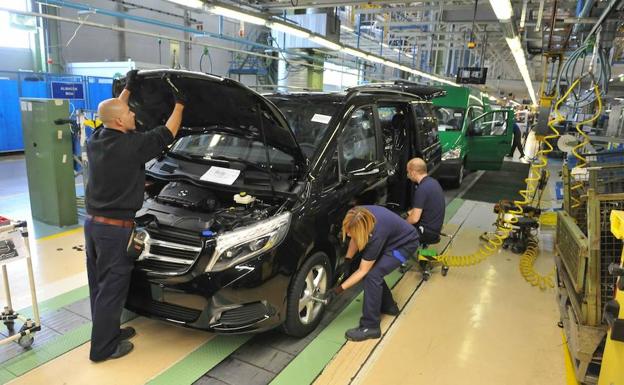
point(132, 80)
point(178, 95)
point(344, 271)
point(330, 295)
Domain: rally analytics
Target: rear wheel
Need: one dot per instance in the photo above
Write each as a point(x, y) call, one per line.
point(303, 314)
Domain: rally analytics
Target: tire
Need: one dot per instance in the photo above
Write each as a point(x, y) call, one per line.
point(457, 181)
point(302, 314)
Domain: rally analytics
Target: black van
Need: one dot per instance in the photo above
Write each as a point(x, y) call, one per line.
point(241, 220)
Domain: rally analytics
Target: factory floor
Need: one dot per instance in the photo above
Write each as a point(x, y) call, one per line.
point(478, 325)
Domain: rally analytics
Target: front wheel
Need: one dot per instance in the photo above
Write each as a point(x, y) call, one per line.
point(457, 181)
point(303, 314)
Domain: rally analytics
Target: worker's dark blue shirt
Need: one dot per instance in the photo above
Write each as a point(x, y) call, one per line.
point(391, 232)
point(429, 197)
point(116, 171)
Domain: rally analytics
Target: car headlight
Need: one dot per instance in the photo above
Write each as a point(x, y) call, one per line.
point(247, 242)
point(452, 154)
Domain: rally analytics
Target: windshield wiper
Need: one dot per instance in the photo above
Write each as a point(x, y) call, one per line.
point(201, 158)
point(245, 162)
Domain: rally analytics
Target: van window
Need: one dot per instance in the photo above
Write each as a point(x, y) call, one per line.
point(394, 121)
point(427, 132)
point(358, 146)
point(491, 124)
point(450, 119)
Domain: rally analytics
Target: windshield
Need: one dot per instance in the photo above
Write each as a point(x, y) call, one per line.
point(450, 119)
point(230, 147)
point(308, 119)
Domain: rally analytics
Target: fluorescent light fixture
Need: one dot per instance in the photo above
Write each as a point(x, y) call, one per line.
point(288, 29)
point(518, 53)
point(375, 59)
point(355, 52)
point(237, 15)
point(189, 3)
point(393, 64)
point(492, 98)
point(502, 9)
point(346, 28)
point(325, 43)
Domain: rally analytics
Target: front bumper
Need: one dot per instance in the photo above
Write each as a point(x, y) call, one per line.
point(448, 169)
point(245, 298)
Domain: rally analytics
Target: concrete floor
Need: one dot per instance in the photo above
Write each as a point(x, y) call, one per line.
point(479, 325)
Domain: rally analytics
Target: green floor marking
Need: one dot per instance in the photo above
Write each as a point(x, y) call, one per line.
point(39, 355)
point(5, 376)
point(307, 365)
point(451, 208)
point(59, 301)
point(204, 358)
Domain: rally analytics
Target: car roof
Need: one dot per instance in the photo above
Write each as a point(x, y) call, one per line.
point(406, 90)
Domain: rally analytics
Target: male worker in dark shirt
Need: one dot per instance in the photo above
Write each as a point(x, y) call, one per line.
point(517, 140)
point(115, 188)
point(428, 204)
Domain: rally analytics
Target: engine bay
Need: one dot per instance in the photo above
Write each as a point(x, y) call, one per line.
point(191, 207)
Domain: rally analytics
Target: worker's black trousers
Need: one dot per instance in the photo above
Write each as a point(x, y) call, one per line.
point(377, 295)
point(108, 269)
point(517, 144)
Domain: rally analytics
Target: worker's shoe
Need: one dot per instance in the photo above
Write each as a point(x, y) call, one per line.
point(362, 333)
point(126, 333)
point(123, 348)
point(392, 310)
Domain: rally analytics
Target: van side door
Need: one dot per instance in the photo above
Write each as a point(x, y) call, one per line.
point(428, 140)
point(489, 137)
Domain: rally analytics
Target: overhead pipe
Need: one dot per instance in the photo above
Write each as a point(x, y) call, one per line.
point(140, 19)
point(154, 35)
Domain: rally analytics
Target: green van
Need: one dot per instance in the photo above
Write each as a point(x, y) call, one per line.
point(473, 135)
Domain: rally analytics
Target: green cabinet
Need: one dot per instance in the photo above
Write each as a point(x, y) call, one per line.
point(49, 161)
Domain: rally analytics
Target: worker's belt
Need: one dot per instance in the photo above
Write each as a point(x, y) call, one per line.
point(125, 223)
point(397, 254)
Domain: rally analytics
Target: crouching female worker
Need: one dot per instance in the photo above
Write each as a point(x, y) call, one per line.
point(385, 240)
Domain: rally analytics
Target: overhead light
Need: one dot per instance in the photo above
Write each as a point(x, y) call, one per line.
point(237, 15)
point(346, 28)
point(288, 29)
point(375, 59)
point(325, 43)
point(355, 52)
point(189, 3)
point(393, 64)
point(493, 98)
point(518, 53)
point(502, 9)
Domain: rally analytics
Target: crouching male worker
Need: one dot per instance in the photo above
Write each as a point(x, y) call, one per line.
point(386, 241)
point(115, 188)
point(428, 204)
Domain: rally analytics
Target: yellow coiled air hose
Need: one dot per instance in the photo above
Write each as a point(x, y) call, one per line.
point(527, 267)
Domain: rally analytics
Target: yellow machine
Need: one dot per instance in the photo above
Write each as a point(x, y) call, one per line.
point(611, 371)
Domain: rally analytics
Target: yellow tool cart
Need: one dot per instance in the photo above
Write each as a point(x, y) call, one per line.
point(611, 371)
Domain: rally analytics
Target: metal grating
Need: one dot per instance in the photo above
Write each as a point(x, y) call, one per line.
point(610, 250)
point(573, 249)
point(161, 266)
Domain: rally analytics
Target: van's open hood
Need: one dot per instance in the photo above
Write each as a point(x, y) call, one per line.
point(213, 101)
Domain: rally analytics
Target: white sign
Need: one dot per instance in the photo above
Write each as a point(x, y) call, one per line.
point(220, 175)
point(12, 246)
point(320, 118)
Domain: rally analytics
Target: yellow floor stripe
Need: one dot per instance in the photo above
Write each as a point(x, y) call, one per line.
point(567, 358)
point(63, 234)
